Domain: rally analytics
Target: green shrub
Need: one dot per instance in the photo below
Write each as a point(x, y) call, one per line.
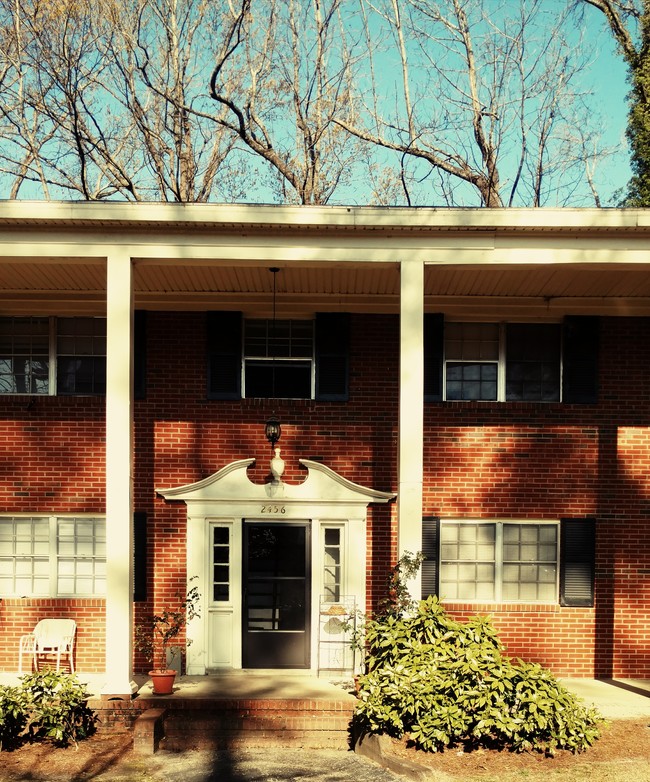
point(13, 716)
point(447, 683)
point(47, 706)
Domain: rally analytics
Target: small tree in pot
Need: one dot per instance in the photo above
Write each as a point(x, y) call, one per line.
point(155, 635)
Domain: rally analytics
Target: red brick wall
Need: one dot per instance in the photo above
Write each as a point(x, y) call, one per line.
point(552, 461)
point(20, 615)
point(481, 461)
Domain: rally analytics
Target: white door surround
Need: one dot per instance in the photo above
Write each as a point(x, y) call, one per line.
point(225, 500)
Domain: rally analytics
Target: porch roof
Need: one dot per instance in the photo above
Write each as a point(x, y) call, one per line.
point(527, 263)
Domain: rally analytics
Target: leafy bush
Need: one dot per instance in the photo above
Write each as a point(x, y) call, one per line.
point(47, 706)
point(447, 683)
point(13, 716)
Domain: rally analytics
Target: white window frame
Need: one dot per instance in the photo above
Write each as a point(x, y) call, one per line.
point(246, 357)
point(499, 560)
point(500, 362)
point(53, 357)
point(341, 528)
point(229, 545)
point(55, 557)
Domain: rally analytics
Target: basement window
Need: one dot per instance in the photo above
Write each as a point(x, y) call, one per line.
point(52, 556)
point(499, 561)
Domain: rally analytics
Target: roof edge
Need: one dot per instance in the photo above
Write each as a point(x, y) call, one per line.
point(195, 215)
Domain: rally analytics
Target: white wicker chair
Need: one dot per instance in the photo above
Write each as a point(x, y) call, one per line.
point(50, 640)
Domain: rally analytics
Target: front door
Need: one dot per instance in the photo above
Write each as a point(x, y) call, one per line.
point(276, 601)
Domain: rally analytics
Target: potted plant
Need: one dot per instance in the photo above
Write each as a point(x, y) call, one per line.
point(155, 635)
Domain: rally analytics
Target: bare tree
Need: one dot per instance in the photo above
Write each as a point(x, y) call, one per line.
point(292, 66)
point(488, 96)
point(105, 100)
point(457, 102)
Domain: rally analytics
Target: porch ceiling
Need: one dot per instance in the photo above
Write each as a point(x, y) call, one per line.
point(42, 288)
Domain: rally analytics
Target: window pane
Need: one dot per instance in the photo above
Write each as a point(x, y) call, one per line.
point(220, 593)
point(533, 362)
point(81, 356)
point(472, 341)
point(485, 591)
point(81, 564)
point(282, 339)
point(448, 580)
point(471, 382)
point(24, 355)
point(221, 564)
point(331, 555)
point(332, 565)
point(332, 536)
point(278, 379)
point(66, 567)
point(221, 554)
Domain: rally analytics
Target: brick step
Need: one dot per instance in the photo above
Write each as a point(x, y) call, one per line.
point(258, 723)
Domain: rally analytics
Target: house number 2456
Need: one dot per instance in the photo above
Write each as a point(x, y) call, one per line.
point(273, 509)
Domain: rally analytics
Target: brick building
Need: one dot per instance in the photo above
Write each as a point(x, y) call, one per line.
point(469, 383)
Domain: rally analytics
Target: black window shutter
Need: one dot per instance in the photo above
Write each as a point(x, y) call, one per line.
point(139, 556)
point(224, 341)
point(332, 341)
point(580, 359)
point(434, 326)
point(577, 562)
point(431, 551)
point(139, 354)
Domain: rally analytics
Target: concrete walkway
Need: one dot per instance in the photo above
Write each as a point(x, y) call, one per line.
point(614, 698)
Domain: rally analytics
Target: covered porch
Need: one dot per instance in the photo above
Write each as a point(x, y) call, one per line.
point(111, 259)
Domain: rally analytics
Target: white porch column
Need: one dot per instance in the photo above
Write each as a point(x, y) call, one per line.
point(411, 412)
point(119, 487)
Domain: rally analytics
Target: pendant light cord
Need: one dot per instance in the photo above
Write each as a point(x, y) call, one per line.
point(274, 270)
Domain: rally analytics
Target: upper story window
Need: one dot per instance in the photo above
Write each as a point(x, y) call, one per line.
point(279, 358)
point(502, 362)
point(52, 355)
point(291, 359)
point(511, 362)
